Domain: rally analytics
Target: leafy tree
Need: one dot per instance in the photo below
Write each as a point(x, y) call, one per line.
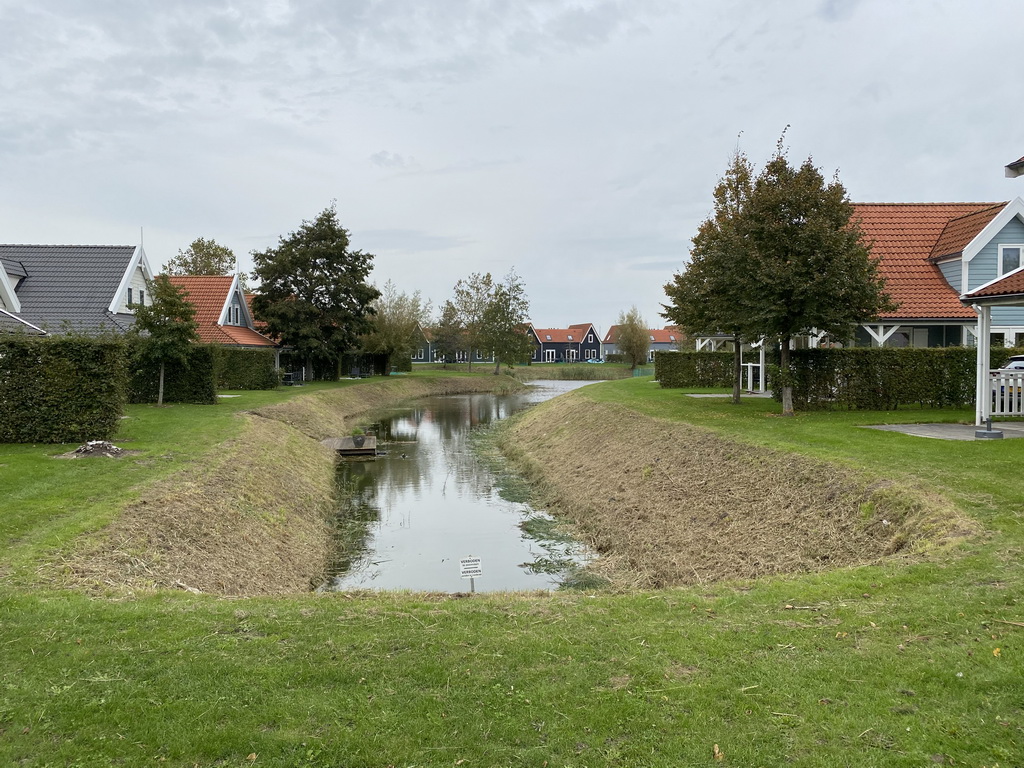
point(712, 295)
point(813, 269)
point(505, 319)
point(313, 293)
point(396, 317)
point(449, 334)
point(634, 339)
point(472, 296)
point(203, 257)
point(166, 328)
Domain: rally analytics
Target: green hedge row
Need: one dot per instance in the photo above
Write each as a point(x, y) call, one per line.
point(693, 369)
point(884, 379)
point(60, 389)
point(194, 382)
point(246, 369)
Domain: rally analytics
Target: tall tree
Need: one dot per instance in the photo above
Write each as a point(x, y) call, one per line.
point(813, 269)
point(313, 294)
point(472, 296)
point(166, 328)
point(203, 257)
point(713, 293)
point(505, 320)
point(634, 339)
point(449, 335)
point(396, 318)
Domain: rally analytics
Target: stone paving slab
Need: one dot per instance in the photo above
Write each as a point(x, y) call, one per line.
point(1010, 429)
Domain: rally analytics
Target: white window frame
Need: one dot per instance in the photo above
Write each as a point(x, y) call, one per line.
point(1020, 256)
point(550, 355)
point(130, 292)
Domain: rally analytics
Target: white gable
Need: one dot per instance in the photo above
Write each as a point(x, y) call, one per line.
point(8, 298)
point(1012, 209)
point(135, 277)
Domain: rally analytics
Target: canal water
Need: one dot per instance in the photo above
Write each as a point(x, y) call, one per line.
point(413, 514)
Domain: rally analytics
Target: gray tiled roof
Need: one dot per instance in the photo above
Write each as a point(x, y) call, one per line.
point(12, 324)
point(70, 287)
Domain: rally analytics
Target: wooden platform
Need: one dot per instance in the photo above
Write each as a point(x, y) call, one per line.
point(346, 446)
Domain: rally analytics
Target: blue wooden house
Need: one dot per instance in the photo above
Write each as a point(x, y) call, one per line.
point(574, 344)
point(932, 253)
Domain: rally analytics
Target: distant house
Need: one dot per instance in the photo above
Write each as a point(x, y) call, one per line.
point(424, 349)
point(72, 288)
point(565, 345)
point(1015, 169)
point(662, 340)
point(222, 312)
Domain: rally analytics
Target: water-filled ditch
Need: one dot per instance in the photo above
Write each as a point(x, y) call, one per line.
point(410, 516)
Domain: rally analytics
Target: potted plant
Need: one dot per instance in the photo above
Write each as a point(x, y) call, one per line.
point(358, 437)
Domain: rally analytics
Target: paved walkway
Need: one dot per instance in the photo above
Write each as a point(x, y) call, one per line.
point(951, 431)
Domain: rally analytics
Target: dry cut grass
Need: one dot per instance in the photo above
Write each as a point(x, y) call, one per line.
point(251, 519)
point(667, 503)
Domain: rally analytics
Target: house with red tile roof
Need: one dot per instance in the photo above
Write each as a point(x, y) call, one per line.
point(222, 312)
point(931, 254)
point(565, 345)
point(662, 340)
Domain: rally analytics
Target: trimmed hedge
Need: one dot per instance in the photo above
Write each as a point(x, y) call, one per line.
point(693, 369)
point(61, 389)
point(884, 379)
point(194, 382)
point(246, 369)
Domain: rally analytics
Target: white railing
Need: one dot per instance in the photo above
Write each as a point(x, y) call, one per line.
point(1007, 388)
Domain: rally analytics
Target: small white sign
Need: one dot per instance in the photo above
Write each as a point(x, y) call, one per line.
point(470, 568)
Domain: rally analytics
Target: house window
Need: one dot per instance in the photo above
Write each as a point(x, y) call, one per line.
point(236, 316)
point(142, 297)
point(549, 355)
point(129, 297)
point(590, 338)
point(1009, 258)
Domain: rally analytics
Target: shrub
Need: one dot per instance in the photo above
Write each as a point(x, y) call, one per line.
point(884, 379)
point(60, 389)
point(693, 369)
point(195, 382)
point(246, 369)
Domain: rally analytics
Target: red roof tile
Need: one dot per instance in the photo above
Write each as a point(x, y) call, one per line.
point(208, 294)
point(903, 238)
point(667, 335)
point(1010, 284)
point(574, 334)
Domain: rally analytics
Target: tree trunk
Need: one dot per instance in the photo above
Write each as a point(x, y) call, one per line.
point(160, 390)
point(737, 370)
point(787, 387)
point(307, 371)
point(497, 366)
point(469, 359)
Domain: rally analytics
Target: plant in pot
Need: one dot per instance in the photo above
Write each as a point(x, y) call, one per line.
point(358, 437)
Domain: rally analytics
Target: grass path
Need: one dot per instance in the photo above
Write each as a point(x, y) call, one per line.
point(882, 666)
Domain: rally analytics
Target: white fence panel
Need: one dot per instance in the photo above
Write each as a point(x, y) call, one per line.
point(1007, 388)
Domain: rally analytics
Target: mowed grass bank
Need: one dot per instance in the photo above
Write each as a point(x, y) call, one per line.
point(889, 665)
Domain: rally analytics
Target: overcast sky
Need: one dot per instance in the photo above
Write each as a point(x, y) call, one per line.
point(577, 141)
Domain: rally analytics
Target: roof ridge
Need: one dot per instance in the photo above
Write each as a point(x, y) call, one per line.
point(987, 204)
point(61, 245)
point(980, 210)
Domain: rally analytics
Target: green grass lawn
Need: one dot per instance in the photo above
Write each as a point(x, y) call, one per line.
point(901, 665)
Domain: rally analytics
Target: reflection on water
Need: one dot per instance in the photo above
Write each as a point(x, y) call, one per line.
point(411, 515)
